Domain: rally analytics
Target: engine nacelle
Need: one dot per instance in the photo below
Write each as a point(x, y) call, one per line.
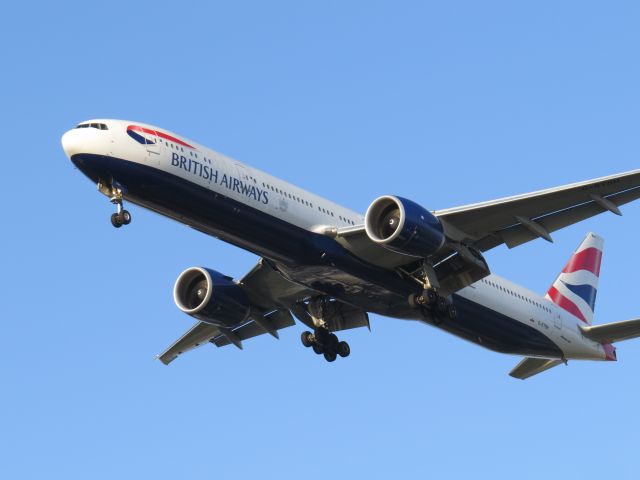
point(211, 297)
point(404, 227)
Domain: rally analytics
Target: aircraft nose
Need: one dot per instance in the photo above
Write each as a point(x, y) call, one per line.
point(71, 143)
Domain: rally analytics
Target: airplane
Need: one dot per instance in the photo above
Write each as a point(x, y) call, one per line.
point(329, 267)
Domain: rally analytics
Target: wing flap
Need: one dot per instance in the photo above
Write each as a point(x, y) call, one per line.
point(491, 223)
point(613, 332)
point(273, 322)
point(518, 234)
point(196, 336)
point(530, 366)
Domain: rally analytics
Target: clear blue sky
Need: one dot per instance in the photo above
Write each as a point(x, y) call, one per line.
point(446, 103)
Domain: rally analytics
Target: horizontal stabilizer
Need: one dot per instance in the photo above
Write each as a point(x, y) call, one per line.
point(529, 367)
point(612, 332)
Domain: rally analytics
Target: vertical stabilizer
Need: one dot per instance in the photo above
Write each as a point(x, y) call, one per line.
point(575, 288)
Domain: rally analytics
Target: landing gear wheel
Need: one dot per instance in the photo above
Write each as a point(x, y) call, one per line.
point(330, 356)
point(453, 313)
point(115, 194)
point(432, 297)
point(343, 349)
point(443, 305)
point(322, 339)
point(307, 341)
point(115, 220)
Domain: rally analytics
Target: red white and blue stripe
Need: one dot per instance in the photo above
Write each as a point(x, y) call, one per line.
point(147, 136)
point(576, 287)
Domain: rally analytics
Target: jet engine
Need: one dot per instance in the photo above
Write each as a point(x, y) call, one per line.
point(211, 297)
point(404, 227)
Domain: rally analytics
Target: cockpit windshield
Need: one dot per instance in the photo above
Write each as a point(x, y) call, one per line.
point(99, 126)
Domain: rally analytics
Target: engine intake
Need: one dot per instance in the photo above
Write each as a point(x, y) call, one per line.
point(404, 227)
point(211, 297)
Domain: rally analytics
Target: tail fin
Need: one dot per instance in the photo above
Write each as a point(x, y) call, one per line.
point(575, 288)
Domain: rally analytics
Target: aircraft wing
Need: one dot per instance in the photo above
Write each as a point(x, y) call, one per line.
point(522, 218)
point(268, 289)
point(476, 228)
point(272, 294)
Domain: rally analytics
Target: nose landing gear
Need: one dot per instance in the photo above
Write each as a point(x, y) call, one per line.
point(325, 343)
point(122, 216)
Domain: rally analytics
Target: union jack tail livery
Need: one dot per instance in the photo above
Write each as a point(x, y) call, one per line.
point(575, 288)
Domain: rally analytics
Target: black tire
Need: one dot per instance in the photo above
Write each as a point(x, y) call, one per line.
point(307, 341)
point(317, 349)
point(343, 349)
point(332, 341)
point(115, 220)
point(443, 305)
point(125, 217)
point(453, 313)
point(432, 297)
point(330, 356)
point(321, 335)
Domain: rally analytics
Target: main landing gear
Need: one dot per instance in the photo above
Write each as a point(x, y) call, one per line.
point(122, 216)
point(325, 343)
point(435, 307)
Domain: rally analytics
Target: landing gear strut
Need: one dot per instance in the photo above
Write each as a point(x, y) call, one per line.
point(122, 216)
point(325, 343)
point(436, 307)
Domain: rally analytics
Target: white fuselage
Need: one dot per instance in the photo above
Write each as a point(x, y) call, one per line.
point(225, 176)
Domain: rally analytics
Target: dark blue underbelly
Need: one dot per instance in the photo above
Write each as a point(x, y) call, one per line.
point(496, 331)
point(310, 259)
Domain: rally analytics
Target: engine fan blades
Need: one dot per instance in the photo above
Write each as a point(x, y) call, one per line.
point(390, 223)
point(196, 294)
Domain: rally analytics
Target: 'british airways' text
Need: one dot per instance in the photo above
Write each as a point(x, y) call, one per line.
point(209, 173)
